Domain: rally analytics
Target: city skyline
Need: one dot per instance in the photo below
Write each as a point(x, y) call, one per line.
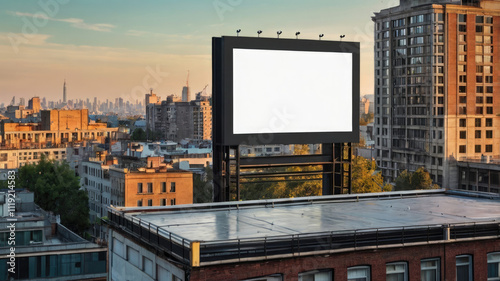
point(122, 50)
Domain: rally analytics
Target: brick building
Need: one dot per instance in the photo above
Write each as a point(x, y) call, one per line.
point(56, 127)
point(431, 235)
point(437, 82)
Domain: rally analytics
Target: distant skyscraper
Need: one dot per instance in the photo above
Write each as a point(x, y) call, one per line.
point(186, 96)
point(437, 89)
point(22, 101)
point(64, 91)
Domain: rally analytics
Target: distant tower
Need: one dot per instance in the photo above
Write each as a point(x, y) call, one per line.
point(64, 91)
point(185, 91)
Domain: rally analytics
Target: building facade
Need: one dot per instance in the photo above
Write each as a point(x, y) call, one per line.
point(437, 80)
point(180, 120)
point(107, 182)
point(57, 127)
point(386, 236)
point(45, 249)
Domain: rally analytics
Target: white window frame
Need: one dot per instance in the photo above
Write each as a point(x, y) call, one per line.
point(357, 268)
point(405, 269)
point(437, 268)
point(469, 263)
point(314, 272)
point(492, 259)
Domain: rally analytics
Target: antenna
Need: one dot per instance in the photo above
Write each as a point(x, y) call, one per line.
point(321, 36)
point(279, 33)
point(259, 32)
point(187, 80)
point(297, 34)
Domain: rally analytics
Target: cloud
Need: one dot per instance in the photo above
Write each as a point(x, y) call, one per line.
point(75, 22)
point(142, 33)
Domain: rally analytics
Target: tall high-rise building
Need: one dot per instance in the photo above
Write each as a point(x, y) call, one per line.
point(437, 87)
point(186, 97)
point(64, 91)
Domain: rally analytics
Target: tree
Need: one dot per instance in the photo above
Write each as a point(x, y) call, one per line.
point(57, 189)
point(365, 178)
point(420, 179)
point(203, 186)
point(138, 135)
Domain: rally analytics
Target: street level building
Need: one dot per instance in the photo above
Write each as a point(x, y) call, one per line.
point(437, 82)
point(432, 235)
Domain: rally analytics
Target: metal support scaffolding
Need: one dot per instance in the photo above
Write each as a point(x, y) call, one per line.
point(335, 162)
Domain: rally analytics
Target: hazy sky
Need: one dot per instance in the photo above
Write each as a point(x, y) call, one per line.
point(113, 48)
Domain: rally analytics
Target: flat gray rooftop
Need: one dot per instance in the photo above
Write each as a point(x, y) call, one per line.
point(258, 219)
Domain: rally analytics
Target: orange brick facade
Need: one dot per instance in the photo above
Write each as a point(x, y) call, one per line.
point(181, 194)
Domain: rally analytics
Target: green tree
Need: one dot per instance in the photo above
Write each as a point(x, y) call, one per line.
point(138, 135)
point(420, 179)
point(57, 189)
point(365, 178)
point(203, 186)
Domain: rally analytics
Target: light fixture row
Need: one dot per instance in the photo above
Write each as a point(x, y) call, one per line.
point(279, 32)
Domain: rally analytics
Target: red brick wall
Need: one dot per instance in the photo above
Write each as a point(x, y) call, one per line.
point(290, 268)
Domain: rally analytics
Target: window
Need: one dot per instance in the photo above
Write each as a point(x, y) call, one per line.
point(462, 99)
point(429, 270)
point(489, 110)
point(489, 122)
point(133, 256)
point(477, 134)
point(462, 149)
point(147, 266)
point(478, 122)
point(139, 203)
point(139, 187)
point(163, 202)
point(489, 134)
point(150, 187)
point(488, 148)
point(316, 275)
point(150, 202)
point(494, 266)
point(396, 271)
point(172, 187)
point(358, 273)
point(172, 201)
point(464, 268)
point(463, 123)
point(477, 148)
point(463, 135)
point(163, 187)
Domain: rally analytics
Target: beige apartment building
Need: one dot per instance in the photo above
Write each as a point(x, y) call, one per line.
point(437, 86)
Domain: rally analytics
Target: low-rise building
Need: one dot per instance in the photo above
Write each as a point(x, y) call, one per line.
point(109, 182)
point(433, 235)
point(44, 249)
point(153, 185)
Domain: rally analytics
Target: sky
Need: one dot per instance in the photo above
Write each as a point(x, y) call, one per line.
point(122, 48)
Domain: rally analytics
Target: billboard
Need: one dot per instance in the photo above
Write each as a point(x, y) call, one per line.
point(285, 91)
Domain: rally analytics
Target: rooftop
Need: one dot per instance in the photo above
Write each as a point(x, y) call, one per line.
point(220, 225)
